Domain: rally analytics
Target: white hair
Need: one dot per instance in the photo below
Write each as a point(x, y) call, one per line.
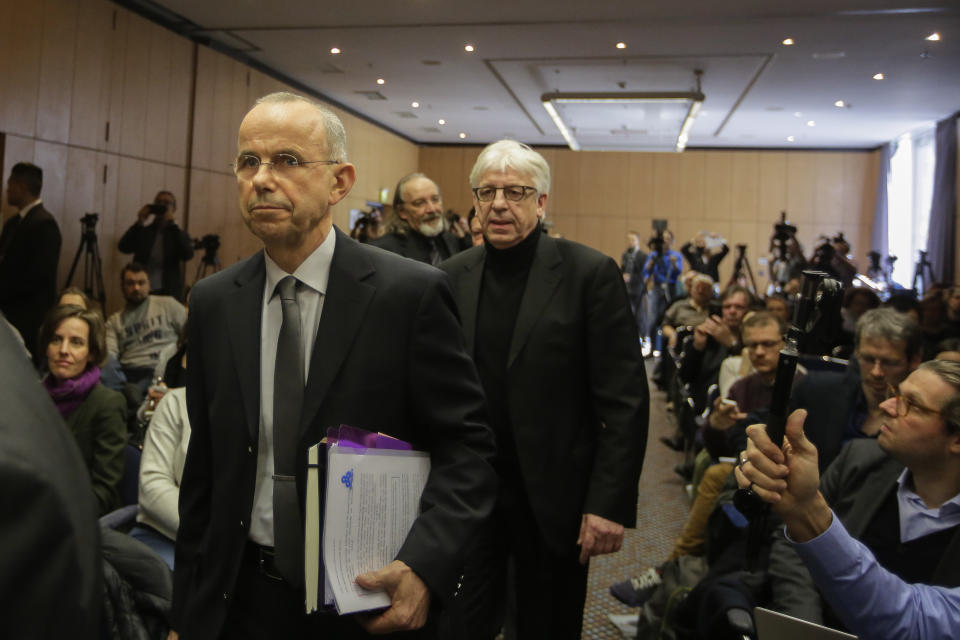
point(336, 135)
point(510, 154)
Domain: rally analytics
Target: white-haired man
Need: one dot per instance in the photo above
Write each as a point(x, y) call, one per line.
point(418, 229)
point(290, 342)
point(550, 329)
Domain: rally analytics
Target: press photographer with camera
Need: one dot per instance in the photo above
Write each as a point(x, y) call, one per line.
point(160, 245)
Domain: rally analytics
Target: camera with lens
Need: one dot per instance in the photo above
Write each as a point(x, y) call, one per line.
point(655, 243)
point(157, 209)
point(209, 243)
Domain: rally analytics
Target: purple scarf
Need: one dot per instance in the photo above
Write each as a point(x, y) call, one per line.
point(70, 394)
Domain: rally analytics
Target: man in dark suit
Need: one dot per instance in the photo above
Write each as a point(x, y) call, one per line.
point(549, 325)
point(380, 349)
point(50, 574)
point(29, 254)
point(417, 228)
point(161, 246)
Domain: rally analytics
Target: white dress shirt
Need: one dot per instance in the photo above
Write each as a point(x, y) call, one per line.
point(312, 276)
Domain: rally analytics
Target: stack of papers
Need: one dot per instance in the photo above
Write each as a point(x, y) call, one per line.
point(371, 499)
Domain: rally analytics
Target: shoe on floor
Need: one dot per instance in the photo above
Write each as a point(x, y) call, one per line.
point(674, 443)
point(635, 591)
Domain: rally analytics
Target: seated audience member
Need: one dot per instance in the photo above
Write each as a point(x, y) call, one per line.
point(763, 338)
point(846, 405)
point(904, 302)
point(870, 601)
point(690, 311)
point(949, 349)
point(111, 374)
point(856, 302)
point(777, 304)
point(50, 569)
point(934, 323)
point(713, 340)
point(703, 259)
point(147, 324)
point(899, 494)
point(161, 468)
point(476, 230)
point(74, 343)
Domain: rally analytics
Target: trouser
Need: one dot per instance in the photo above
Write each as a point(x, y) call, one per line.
point(549, 589)
point(694, 533)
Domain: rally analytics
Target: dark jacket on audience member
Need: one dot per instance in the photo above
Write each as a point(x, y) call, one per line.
point(29, 255)
point(100, 429)
point(702, 368)
point(50, 576)
point(855, 486)
point(177, 247)
point(416, 246)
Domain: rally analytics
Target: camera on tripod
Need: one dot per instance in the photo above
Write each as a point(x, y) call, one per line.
point(655, 243)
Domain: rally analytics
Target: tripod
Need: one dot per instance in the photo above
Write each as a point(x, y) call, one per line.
point(209, 262)
point(92, 265)
point(741, 269)
point(924, 273)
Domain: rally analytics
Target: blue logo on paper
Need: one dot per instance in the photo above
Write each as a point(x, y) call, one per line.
point(347, 479)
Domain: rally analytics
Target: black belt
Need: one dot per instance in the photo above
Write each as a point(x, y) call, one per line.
point(263, 559)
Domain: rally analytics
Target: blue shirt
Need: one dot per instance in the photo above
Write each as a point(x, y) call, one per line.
point(663, 271)
point(918, 520)
point(871, 601)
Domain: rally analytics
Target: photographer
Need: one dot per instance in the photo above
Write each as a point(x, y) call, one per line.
point(161, 246)
point(705, 252)
point(660, 275)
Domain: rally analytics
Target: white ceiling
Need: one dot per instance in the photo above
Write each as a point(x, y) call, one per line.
point(758, 92)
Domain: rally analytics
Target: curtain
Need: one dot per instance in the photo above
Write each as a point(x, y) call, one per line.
point(941, 238)
point(879, 238)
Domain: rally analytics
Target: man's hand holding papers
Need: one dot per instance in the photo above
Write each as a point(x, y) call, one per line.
point(409, 599)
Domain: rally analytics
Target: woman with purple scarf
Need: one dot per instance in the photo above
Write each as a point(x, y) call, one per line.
point(74, 341)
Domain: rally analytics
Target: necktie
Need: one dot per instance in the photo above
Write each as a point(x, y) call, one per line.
point(287, 402)
point(435, 255)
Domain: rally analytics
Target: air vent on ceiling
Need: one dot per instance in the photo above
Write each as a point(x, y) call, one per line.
point(481, 108)
point(828, 55)
point(372, 95)
point(625, 131)
point(329, 68)
point(431, 130)
point(431, 63)
point(406, 114)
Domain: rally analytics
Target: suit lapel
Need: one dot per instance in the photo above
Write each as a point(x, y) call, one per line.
point(243, 327)
point(863, 510)
point(344, 305)
point(541, 283)
point(468, 296)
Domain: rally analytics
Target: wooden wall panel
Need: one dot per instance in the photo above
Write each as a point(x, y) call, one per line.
point(53, 159)
point(21, 32)
point(115, 88)
point(58, 44)
point(89, 104)
point(744, 186)
point(690, 184)
point(718, 185)
point(178, 112)
point(136, 86)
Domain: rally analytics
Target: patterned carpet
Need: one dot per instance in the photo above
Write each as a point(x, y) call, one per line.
point(661, 512)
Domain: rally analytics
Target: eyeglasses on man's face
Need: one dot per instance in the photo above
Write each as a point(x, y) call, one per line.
point(869, 362)
point(513, 192)
point(247, 165)
point(905, 405)
point(766, 344)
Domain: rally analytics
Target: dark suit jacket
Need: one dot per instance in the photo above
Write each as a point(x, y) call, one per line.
point(50, 574)
point(100, 428)
point(177, 247)
point(578, 396)
point(829, 398)
point(855, 486)
point(415, 246)
point(28, 271)
point(389, 356)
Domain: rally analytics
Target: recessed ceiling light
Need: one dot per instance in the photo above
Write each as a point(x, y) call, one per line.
point(811, 123)
point(797, 114)
point(933, 37)
point(787, 42)
point(878, 76)
point(381, 81)
point(462, 135)
point(441, 121)
point(621, 45)
point(415, 105)
point(335, 50)
point(790, 138)
point(468, 48)
point(840, 103)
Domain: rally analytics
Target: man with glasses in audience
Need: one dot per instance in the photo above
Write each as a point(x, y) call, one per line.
point(899, 494)
point(846, 405)
point(418, 229)
point(549, 326)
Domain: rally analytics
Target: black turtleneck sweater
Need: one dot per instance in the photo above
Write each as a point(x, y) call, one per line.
point(505, 274)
